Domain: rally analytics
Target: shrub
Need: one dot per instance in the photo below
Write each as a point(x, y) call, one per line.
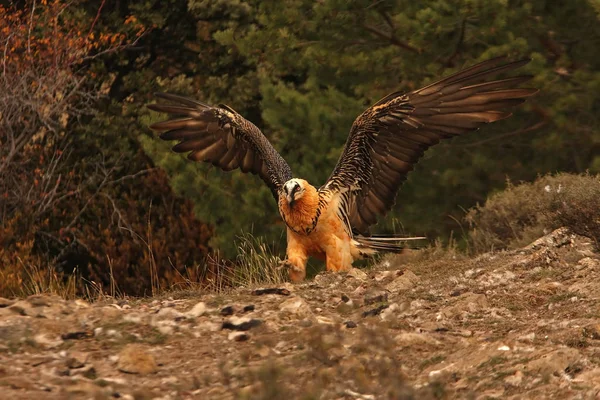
point(522, 213)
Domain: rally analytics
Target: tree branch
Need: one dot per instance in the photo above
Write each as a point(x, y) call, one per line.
point(391, 38)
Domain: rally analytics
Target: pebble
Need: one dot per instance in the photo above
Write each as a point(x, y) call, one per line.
point(238, 336)
point(375, 297)
point(198, 310)
point(241, 324)
point(227, 311)
point(134, 359)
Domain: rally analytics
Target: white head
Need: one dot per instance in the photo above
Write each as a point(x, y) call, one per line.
point(294, 189)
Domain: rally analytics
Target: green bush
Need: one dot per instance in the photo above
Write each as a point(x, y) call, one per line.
point(522, 213)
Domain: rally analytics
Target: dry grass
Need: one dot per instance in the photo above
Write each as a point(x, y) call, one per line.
point(522, 213)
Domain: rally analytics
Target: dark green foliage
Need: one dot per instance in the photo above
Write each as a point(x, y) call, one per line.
point(303, 70)
point(522, 213)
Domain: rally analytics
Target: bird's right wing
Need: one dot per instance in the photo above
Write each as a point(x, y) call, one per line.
point(387, 140)
point(222, 137)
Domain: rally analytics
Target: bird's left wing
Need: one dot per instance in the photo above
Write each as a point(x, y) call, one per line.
point(389, 138)
point(222, 137)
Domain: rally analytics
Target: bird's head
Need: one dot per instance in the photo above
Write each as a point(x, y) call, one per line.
point(295, 189)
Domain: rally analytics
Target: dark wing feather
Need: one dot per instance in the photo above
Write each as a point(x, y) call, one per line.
point(222, 137)
point(391, 136)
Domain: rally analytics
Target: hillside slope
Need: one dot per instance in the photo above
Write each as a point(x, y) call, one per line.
point(519, 324)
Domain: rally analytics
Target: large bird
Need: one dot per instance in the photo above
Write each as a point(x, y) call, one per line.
point(385, 142)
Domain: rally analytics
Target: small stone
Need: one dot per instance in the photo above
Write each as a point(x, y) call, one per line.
point(529, 338)
point(297, 306)
point(88, 389)
point(227, 311)
point(279, 291)
point(134, 359)
point(77, 335)
point(6, 302)
point(170, 313)
point(87, 371)
point(412, 338)
point(248, 308)
point(554, 362)
point(238, 336)
point(375, 297)
point(350, 324)
point(514, 380)
point(345, 298)
point(403, 281)
point(38, 301)
point(198, 310)
point(325, 320)
point(45, 341)
point(77, 359)
point(374, 311)
point(504, 348)
point(135, 318)
point(357, 274)
point(241, 324)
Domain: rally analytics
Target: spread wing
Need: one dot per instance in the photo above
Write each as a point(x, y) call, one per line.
point(222, 137)
point(387, 140)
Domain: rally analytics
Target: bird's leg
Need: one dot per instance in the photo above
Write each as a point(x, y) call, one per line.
point(296, 260)
point(296, 268)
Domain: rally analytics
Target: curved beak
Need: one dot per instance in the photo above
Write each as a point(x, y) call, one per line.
point(290, 199)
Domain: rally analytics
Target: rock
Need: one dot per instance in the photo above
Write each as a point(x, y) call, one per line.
point(134, 359)
point(403, 280)
point(38, 301)
point(514, 380)
point(238, 336)
point(135, 318)
point(592, 331)
point(554, 362)
point(83, 388)
point(590, 263)
point(248, 308)
point(47, 342)
point(529, 338)
point(296, 306)
point(350, 324)
point(227, 311)
point(407, 339)
point(393, 310)
point(76, 335)
point(375, 296)
point(466, 303)
point(169, 313)
point(76, 359)
point(87, 371)
point(357, 274)
point(6, 302)
point(25, 308)
point(325, 321)
point(279, 291)
point(590, 377)
point(375, 311)
point(241, 324)
point(198, 310)
point(17, 382)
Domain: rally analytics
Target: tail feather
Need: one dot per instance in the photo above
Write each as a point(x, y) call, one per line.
point(369, 246)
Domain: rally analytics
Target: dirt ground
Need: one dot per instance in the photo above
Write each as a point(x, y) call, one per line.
point(430, 324)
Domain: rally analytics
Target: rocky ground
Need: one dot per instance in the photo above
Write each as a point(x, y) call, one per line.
point(430, 324)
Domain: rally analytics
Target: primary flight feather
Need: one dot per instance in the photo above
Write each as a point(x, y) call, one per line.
point(385, 142)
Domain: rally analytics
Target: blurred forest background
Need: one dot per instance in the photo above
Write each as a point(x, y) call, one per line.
point(86, 188)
